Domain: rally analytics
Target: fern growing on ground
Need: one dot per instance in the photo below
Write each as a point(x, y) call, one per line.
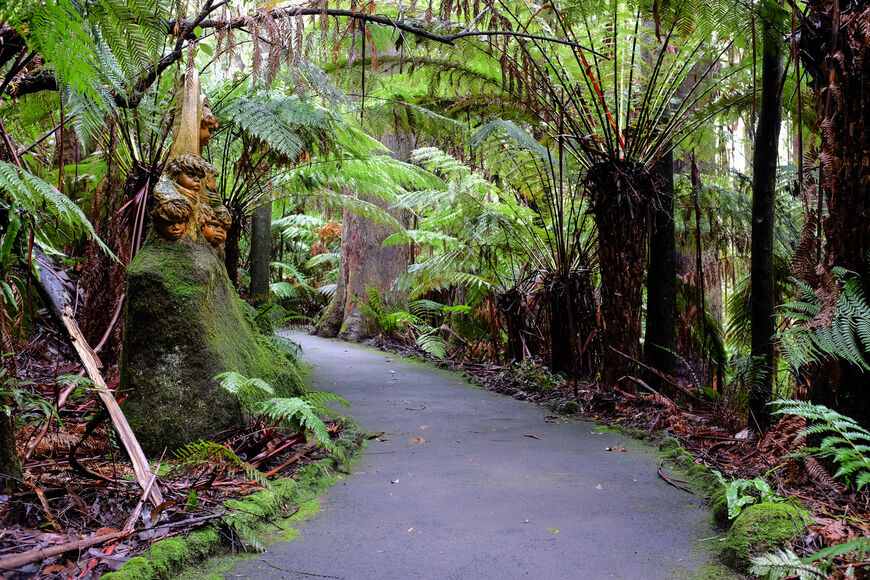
point(210, 453)
point(844, 442)
point(296, 413)
point(784, 564)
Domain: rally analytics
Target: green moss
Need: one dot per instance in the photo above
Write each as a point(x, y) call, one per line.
point(184, 325)
point(137, 568)
point(569, 407)
point(762, 528)
point(166, 557)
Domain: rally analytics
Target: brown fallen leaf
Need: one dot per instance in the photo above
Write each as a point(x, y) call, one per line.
point(599, 486)
point(418, 440)
point(424, 426)
point(531, 436)
point(620, 448)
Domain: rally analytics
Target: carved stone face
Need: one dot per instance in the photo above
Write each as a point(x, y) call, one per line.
point(188, 181)
point(170, 231)
point(210, 181)
point(214, 233)
point(204, 136)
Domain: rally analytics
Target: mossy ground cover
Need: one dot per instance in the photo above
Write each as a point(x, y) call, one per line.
point(269, 515)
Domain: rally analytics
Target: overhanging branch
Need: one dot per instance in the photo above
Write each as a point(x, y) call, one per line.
point(183, 30)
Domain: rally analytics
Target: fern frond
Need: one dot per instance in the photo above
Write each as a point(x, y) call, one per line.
point(782, 564)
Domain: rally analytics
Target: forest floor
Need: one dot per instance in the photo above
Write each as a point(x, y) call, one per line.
point(79, 501)
point(711, 431)
point(66, 498)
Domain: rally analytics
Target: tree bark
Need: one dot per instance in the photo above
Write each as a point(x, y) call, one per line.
point(764, 162)
point(660, 341)
point(363, 262)
point(621, 194)
point(261, 252)
point(10, 464)
point(835, 51)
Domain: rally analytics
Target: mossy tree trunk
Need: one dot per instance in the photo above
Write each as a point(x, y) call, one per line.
point(10, 465)
point(261, 252)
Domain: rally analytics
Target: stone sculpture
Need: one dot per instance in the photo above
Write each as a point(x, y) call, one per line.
point(184, 321)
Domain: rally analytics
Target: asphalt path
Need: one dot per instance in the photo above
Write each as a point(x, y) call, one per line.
point(464, 483)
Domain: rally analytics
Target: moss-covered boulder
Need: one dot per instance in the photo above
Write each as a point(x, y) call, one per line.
point(761, 528)
point(184, 325)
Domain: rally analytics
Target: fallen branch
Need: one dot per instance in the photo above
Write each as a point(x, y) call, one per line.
point(39, 554)
point(55, 297)
point(671, 481)
point(660, 375)
point(306, 449)
point(643, 385)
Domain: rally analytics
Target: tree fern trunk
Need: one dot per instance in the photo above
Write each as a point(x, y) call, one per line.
point(621, 194)
point(835, 51)
point(661, 290)
point(261, 252)
point(764, 163)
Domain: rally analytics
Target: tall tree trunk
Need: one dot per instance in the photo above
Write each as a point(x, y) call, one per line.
point(660, 340)
point(363, 262)
point(621, 194)
point(103, 279)
point(261, 252)
point(232, 254)
point(835, 51)
point(764, 162)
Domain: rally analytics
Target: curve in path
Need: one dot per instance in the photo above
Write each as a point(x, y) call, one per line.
point(465, 483)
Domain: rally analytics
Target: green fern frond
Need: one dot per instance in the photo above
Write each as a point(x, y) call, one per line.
point(239, 384)
point(782, 564)
point(36, 197)
point(845, 441)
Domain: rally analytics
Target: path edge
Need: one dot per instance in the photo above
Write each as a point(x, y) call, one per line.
point(171, 557)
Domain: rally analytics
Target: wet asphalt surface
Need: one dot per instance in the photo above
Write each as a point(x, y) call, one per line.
point(465, 483)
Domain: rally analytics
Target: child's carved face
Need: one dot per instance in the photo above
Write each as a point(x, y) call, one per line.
point(214, 233)
point(189, 181)
point(170, 231)
point(210, 181)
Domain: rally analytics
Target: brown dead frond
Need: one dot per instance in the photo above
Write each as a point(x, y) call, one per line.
point(820, 475)
point(783, 439)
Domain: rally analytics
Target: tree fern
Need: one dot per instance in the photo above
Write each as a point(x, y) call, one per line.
point(814, 334)
point(845, 442)
point(34, 197)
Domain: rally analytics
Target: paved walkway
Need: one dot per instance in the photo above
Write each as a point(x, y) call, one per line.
point(468, 484)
